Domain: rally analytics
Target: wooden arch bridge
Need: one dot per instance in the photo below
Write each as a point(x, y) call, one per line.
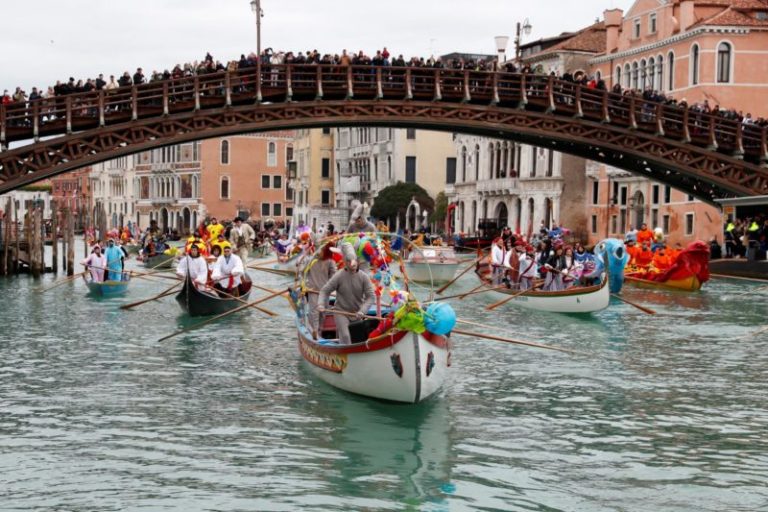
point(707, 156)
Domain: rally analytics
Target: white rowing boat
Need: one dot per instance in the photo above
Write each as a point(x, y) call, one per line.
point(435, 265)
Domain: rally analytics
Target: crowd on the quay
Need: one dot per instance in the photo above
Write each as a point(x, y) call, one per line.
point(747, 234)
point(381, 57)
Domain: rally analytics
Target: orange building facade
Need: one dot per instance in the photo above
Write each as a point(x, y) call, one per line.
point(706, 52)
point(247, 175)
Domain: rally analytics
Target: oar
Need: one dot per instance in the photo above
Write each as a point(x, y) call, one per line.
point(753, 290)
point(491, 289)
point(738, 277)
point(218, 317)
point(753, 334)
point(63, 281)
point(262, 263)
point(507, 299)
point(266, 311)
point(469, 267)
point(270, 270)
point(510, 340)
point(638, 306)
point(350, 314)
point(470, 292)
point(167, 292)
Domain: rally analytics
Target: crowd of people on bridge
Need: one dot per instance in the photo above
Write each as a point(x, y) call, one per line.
point(381, 57)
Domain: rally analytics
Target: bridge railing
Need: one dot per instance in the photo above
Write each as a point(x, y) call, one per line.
point(307, 82)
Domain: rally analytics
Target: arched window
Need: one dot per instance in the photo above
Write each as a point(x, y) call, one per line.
point(695, 64)
point(225, 152)
point(635, 75)
point(627, 77)
point(477, 162)
point(617, 79)
point(490, 161)
point(724, 63)
point(389, 168)
point(224, 187)
point(643, 74)
point(651, 73)
point(660, 73)
point(464, 164)
point(272, 154)
point(671, 75)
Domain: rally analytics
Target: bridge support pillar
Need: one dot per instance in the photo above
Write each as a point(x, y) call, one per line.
point(288, 85)
point(438, 93)
point(495, 99)
point(606, 113)
point(686, 129)
point(408, 85)
point(467, 96)
point(551, 95)
point(738, 152)
point(350, 87)
point(712, 146)
point(660, 120)
point(523, 93)
point(577, 103)
point(379, 85)
point(319, 95)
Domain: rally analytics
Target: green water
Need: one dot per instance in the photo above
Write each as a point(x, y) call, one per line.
point(664, 412)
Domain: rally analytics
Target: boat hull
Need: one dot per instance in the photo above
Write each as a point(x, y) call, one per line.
point(688, 284)
point(197, 303)
point(108, 288)
point(435, 273)
point(159, 261)
point(402, 367)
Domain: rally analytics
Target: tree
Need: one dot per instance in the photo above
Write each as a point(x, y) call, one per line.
point(441, 210)
point(392, 202)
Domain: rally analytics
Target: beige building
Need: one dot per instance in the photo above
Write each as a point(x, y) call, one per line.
point(310, 176)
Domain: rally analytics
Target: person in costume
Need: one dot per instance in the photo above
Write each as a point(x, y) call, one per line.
point(661, 260)
point(556, 267)
point(228, 271)
point(96, 264)
point(499, 261)
point(359, 222)
point(284, 247)
point(214, 229)
point(194, 266)
point(114, 256)
point(354, 294)
point(644, 235)
point(645, 257)
point(317, 273)
point(513, 262)
point(633, 251)
point(527, 268)
point(241, 236)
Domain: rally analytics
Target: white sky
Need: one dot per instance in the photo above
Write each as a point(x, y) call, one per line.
point(46, 40)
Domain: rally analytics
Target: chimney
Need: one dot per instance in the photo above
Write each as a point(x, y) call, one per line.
point(613, 20)
point(686, 17)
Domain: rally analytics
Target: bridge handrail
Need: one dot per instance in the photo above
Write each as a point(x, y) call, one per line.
point(54, 115)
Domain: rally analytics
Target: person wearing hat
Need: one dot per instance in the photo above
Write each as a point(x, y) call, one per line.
point(96, 263)
point(241, 236)
point(499, 261)
point(228, 271)
point(354, 294)
point(633, 251)
point(114, 256)
point(358, 222)
point(317, 273)
point(556, 268)
point(194, 266)
point(527, 268)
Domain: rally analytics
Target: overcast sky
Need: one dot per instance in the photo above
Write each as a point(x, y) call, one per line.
point(47, 40)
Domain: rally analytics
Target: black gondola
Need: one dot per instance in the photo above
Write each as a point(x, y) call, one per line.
point(198, 303)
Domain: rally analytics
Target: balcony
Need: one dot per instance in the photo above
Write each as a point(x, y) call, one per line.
point(498, 186)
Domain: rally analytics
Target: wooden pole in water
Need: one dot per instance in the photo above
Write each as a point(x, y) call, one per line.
point(16, 237)
point(28, 237)
point(64, 239)
point(70, 244)
point(54, 238)
point(7, 236)
point(34, 242)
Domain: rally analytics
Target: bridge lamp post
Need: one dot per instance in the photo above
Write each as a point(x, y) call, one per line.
point(501, 47)
point(256, 8)
point(523, 28)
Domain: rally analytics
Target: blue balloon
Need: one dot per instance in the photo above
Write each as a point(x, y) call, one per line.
point(440, 318)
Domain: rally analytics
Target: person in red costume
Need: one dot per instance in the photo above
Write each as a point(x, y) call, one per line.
point(644, 235)
point(645, 256)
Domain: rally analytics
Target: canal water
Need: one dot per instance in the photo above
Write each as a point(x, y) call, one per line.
point(666, 412)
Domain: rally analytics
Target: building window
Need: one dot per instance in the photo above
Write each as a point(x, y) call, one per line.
point(652, 23)
point(665, 224)
point(289, 212)
point(643, 74)
point(636, 29)
point(410, 169)
point(550, 163)
point(635, 75)
point(614, 223)
point(464, 164)
point(627, 76)
point(688, 223)
point(277, 209)
point(225, 152)
point(651, 84)
point(272, 154)
point(289, 152)
point(618, 75)
point(326, 168)
point(533, 162)
point(410, 134)
point(695, 65)
point(477, 162)
point(224, 187)
point(450, 170)
point(595, 192)
point(655, 195)
point(654, 217)
point(724, 63)
point(667, 194)
point(277, 182)
point(594, 224)
point(326, 131)
point(265, 181)
point(265, 209)
point(671, 67)
point(660, 71)
point(288, 194)
point(325, 197)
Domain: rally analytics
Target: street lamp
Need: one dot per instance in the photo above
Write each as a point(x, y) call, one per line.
point(523, 28)
point(501, 47)
point(256, 8)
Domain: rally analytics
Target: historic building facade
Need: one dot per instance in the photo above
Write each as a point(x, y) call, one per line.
point(693, 50)
point(114, 189)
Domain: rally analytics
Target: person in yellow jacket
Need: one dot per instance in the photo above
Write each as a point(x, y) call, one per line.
point(214, 229)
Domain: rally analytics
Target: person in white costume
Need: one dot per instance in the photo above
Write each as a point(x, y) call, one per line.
point(96, 263)
point(193, 265)
point(228, 271)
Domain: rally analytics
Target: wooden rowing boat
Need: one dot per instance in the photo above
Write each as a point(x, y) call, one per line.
point(159, 261)
point(578, 299)
point(435, 265)
point(689, 271)
point(196, 302)
point(108, 288)
point(687, 284)
point(400, 366)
